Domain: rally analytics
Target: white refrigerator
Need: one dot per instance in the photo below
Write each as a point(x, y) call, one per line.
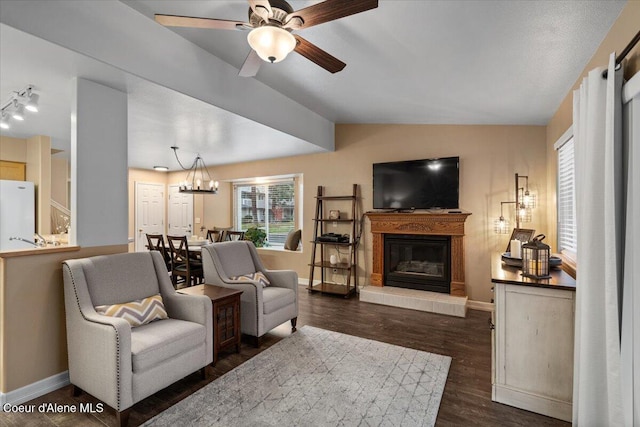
point(17, 214)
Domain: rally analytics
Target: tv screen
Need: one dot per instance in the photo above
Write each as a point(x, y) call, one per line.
point(416, 184)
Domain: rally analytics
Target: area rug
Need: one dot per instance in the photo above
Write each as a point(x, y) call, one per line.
point(320, 378)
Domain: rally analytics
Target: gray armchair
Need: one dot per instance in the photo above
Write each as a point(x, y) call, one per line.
point(261, 308)
point(115, 362)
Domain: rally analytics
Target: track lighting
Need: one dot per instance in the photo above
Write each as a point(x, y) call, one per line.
point(17, 103)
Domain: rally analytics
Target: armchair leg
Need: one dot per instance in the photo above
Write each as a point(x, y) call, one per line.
point(253, 340)
point(76, 391)
point(122, 417)
point(293, 324)
point(203, 373)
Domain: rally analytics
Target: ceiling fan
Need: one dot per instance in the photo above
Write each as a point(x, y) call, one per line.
point(272, 22)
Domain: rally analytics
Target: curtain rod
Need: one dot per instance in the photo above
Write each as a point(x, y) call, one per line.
point(624, 53)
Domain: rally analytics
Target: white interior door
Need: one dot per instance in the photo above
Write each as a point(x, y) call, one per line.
point(149, 215)
point(180, 213)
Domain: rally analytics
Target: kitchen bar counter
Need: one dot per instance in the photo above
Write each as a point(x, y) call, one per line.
point(502, 273)
point(38, 251)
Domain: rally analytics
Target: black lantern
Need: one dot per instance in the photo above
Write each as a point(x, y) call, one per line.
point(535, 258)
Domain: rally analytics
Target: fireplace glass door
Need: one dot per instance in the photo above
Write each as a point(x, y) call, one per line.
point(418, 262)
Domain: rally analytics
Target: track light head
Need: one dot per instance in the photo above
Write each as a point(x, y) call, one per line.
point(4, 121)
point(32, 103)
point(18, 114)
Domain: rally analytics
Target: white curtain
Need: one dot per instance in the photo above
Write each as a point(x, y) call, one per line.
point(630, 342)
point(597, 399)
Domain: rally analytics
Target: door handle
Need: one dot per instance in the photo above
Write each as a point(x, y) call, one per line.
point(141, 230)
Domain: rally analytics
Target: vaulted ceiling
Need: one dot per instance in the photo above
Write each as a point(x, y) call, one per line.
point(435, 62)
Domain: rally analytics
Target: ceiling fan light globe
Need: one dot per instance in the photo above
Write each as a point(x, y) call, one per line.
point(272, 44)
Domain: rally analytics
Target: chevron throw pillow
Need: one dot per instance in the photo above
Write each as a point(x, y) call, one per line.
point(258, 276)
point(137, 313)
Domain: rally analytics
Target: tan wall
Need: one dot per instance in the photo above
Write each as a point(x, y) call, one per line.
point(620, 34)
point(13, 149)
point(39, 172)
point(59, 177)
point(489, 158)
point(32, 323)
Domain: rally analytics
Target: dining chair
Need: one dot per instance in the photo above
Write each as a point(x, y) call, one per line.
point(232, 235)
point(215, 235)
point(155, 242)
point(183, 263)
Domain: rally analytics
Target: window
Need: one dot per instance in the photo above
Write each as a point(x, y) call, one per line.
point(269, 204)
point(567, 233)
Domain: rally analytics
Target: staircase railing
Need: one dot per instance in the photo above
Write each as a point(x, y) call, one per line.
point(60, 218)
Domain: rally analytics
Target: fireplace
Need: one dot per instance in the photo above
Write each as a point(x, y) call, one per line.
point(445, 224)
point(418, 262)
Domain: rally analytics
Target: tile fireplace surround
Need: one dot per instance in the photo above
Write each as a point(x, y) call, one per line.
point(440, 223)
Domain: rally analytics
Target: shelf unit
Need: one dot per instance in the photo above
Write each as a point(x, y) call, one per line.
point(319, 252)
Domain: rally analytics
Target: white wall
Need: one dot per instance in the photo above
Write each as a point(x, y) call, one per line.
point(99, 204)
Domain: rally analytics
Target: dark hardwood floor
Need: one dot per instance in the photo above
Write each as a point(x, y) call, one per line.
point(467, 395)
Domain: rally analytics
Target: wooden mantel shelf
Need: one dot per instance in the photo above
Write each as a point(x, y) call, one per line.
point(436, 223)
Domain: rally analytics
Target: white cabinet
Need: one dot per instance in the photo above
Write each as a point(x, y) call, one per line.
point(533, 349)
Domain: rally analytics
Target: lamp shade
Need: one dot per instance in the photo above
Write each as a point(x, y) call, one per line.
point(501, 226)
point(272, 44)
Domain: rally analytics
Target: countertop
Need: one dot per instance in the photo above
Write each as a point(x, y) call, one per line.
point(501, 273)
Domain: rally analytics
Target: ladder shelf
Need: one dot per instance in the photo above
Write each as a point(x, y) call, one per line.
point(347, 252)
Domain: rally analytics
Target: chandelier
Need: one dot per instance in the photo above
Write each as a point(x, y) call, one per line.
point(198, 179)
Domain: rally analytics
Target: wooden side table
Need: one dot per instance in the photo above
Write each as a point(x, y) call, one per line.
point(226, 315)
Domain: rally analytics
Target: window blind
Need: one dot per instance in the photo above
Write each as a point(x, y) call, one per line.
point(567, 236)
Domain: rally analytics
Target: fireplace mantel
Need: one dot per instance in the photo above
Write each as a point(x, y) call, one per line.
point(440, 223)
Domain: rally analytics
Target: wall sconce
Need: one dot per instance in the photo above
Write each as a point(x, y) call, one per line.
point(198, 179)
point(17, 103)
point(525, 201)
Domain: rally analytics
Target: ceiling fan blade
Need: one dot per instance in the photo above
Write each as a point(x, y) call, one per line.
point(262, 8)
point(251, 65)
point(314, 54)
point(187, 21)
point(329, 10)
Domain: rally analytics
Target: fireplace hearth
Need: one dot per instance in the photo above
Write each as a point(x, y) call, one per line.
point(418, 262)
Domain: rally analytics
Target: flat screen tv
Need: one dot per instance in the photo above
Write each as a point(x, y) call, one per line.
point(416, 184)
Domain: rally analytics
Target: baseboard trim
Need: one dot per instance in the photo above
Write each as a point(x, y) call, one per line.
point(37, 389)
point(479, 305)
point(533, 402)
